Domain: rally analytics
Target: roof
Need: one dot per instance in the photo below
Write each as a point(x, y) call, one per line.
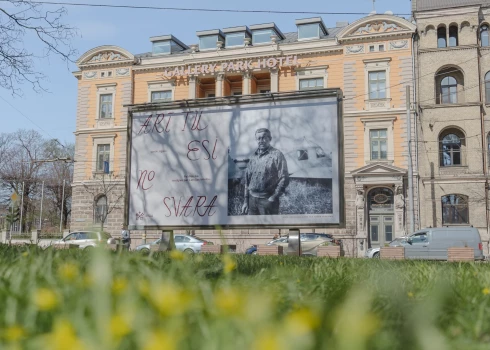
point(289, 38)
point(425, 5)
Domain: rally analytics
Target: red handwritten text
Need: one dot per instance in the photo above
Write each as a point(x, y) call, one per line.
point(190, 207)
point(193, 148)
point(145, 176)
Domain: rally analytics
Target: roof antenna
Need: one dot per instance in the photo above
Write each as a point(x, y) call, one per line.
point(374, 5)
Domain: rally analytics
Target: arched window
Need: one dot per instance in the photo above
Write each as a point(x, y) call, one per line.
point(441, 37)
point(487, 87)
point(449, 87)
point(450, 150)
point(455, 209)
point(100, 212)
point(484, 40)
point(453, 36)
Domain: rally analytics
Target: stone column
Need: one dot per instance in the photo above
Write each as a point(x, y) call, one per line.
point(219, 84)
point(361, 220)
point(192, 87)
point(399, 211)
point(247, 77)
point(274, 80)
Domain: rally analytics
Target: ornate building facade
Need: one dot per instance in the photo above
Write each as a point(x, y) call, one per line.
point(453, 96)
point(370, 60)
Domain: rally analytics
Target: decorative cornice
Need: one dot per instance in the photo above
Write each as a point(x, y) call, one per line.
point(100, 131)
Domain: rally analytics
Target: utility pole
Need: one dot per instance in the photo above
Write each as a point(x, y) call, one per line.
point(21, 207)
point(62, 202)
point(41, 212)
point(411, 210)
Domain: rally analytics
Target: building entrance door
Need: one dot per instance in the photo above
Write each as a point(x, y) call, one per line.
point(381, 217)
point(381, 229)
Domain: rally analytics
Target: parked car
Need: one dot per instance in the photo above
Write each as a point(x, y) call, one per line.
point(185, 243)
point(433, 243)
point(86, 239)
point(309, 242)
point(374, 252)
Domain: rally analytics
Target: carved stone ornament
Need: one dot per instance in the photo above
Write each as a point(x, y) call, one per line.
point(122, 72)
point(398, 45)
point(106, 57)
point(355, 49)
point(376, 27)
point(360, 199)
point(89, 75)
point(399, 198)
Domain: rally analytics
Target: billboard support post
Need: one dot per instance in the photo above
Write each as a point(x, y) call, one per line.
point(294, 242)
point(167, 242)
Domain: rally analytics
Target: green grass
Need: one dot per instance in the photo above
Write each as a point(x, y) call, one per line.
point(99, 300)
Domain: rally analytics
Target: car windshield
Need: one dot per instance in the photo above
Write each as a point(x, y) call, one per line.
point(399, 240)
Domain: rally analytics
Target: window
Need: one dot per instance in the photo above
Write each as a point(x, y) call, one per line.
point(235, 39)
point(379, 144)
point(377, 85)
point(158, 96)
point(487, 88)
point(450, 148)
point(311, 84)
point(103, 156)
point(484, 40)
point(320, 153)
point(441, 37)
point(309, 31)
point(237, 93)
point(161, 47)
point(455, 209)
point(208, 42)
point(100, 213)
point(302, 154)
point(105, 106)
point(381, 48)
point(179, 239)
point(210, 95)
point(371, 48)
point(419, 238)
point(262, 36)
point(453, 36)
point(449, 93)
point(265, 91)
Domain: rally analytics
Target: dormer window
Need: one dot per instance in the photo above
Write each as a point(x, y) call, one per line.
point(208, 39)
point(311, 28)
point(166, 44)
point(235, 37)
point(263, 33)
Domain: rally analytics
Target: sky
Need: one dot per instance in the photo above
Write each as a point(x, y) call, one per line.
point(53, 113)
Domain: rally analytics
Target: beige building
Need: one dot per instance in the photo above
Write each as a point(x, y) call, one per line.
point(453, 99)
point(370, 60)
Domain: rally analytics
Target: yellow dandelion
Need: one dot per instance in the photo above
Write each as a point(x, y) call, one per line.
point(410, 295)
point(45, 299)
point(269, 341)
point(302, 321)
point(119, 285)
point(25, 254)
point(119, 326)
point(229, 301)
point(170, 299)
point(159, 340)
point(63, 337)
point(177, 255)
point(14, 333)
point(228, 264)
point(486, 291)
point(68, 272)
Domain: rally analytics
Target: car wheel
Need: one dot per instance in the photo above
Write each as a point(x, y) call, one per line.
point(89, 247)
point(189, 251)
point(376, 255)
point(254, 252)
point(145, 251)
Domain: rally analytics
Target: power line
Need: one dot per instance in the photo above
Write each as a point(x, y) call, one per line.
point(188, 9)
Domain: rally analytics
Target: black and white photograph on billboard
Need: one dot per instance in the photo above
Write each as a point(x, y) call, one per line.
point(294, 180)
point(261, 163)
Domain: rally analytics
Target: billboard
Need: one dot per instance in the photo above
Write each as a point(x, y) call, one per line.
point(272, 162)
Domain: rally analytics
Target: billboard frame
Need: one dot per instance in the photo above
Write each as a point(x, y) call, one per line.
point(232, 100)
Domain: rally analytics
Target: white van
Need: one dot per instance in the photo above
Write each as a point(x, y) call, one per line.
point(432, 243)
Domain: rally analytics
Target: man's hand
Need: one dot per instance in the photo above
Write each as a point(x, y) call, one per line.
point(245, 208)
point(272, 198)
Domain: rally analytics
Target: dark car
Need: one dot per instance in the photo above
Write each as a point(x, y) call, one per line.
point(252, 250)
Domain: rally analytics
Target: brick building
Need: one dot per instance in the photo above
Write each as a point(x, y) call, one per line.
point(370, 60)
point(453, 95)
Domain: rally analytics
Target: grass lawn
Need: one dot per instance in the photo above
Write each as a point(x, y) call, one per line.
point(98, 300)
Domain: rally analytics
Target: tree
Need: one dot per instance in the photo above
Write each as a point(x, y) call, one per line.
point(21, 19)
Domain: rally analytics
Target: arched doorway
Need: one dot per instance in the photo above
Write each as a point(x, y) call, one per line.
point(381, 216)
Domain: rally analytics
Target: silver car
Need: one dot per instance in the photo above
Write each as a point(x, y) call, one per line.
point(184, 243)
point(85, 239)
point(373, 253)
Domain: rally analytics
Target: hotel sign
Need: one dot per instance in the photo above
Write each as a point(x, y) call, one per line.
point(232, 66)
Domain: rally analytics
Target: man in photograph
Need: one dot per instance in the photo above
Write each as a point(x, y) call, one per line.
point(266, 177)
